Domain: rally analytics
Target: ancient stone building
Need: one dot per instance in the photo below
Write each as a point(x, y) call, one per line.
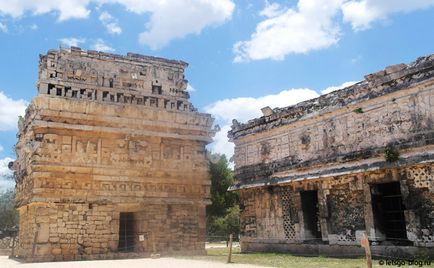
point(314, 176)
point(111, 159)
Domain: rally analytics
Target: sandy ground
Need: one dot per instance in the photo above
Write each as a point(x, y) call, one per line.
point(132, 263)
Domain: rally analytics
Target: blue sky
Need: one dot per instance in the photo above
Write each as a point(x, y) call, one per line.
point(243, 55)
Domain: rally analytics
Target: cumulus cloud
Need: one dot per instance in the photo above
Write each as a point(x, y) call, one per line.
point(168, 19)
point(110, 23)
point(65, 9)
point(309, 26)
point(9, 111)
point(314, 25)
point(5, 173)
point(100, 45)
point(72, 41)
point(334, 88)
point(362, 13)
point(3, 27)
point(271, 10)
point(246, 108)
point(221, 142)
point(176, 19)
point(190, 88)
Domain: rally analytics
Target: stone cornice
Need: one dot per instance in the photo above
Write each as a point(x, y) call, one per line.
point(391, 79)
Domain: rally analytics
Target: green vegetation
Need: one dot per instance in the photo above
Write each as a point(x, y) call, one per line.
point(358, 111)
point(280, 259)
point(220, 227)
point(223, 214)
point(391, 154)
point(8, 213)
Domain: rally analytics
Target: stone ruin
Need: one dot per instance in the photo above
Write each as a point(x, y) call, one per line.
point(315, 176)
point(111, 159)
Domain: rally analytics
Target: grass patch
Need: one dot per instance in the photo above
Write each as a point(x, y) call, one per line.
point(280, 259)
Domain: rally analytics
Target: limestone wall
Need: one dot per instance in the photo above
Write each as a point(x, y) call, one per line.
point(273, 214)
point(107, 77)
point(316, 175)
point(65, 231)
point(344, 130)
point(107, 135)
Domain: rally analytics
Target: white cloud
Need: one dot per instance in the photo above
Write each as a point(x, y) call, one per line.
point(110, 23)
point(221, 142)
point(176, 19)
point(65, 9)
point(168, 19)
point(100, 45)
point(9, 111)
point(313, 25)
point(5, 172)
point(190, 88)
point(362, 13)
point(72, 41)
point(309, 26)
point(334, 88)
point(34, 27)
point(3, 27)
point(271, 10)
point(246, 108)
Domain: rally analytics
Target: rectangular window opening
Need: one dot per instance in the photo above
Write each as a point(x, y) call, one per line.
point(67, 90)
point(50, 87)
point(126, 232)
point(388, 210)
point(312, 226)
point(156, 90)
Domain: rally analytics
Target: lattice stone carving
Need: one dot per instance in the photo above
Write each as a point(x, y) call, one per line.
point(288, 211)
point(423, 177)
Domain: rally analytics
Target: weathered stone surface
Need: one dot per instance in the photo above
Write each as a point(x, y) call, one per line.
point(339, 148)
point(110, 134)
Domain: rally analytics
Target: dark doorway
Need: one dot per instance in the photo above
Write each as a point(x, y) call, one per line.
point(388, 211)
point(309, 205)
point(126, 232)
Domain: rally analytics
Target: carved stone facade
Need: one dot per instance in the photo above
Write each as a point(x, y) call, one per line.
point(314, 176)
point(111, 159)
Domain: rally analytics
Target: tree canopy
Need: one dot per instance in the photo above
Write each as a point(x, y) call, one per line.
point(223, 213)
point(8, 213)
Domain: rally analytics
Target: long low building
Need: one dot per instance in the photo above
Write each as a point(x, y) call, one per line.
point(315, 176)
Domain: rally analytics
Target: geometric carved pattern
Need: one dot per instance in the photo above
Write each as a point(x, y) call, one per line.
point(423, 177)
point(288, 222)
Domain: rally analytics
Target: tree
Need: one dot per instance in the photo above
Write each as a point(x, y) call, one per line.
point(8, 213)
point(221, 179)
point(223, 213)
